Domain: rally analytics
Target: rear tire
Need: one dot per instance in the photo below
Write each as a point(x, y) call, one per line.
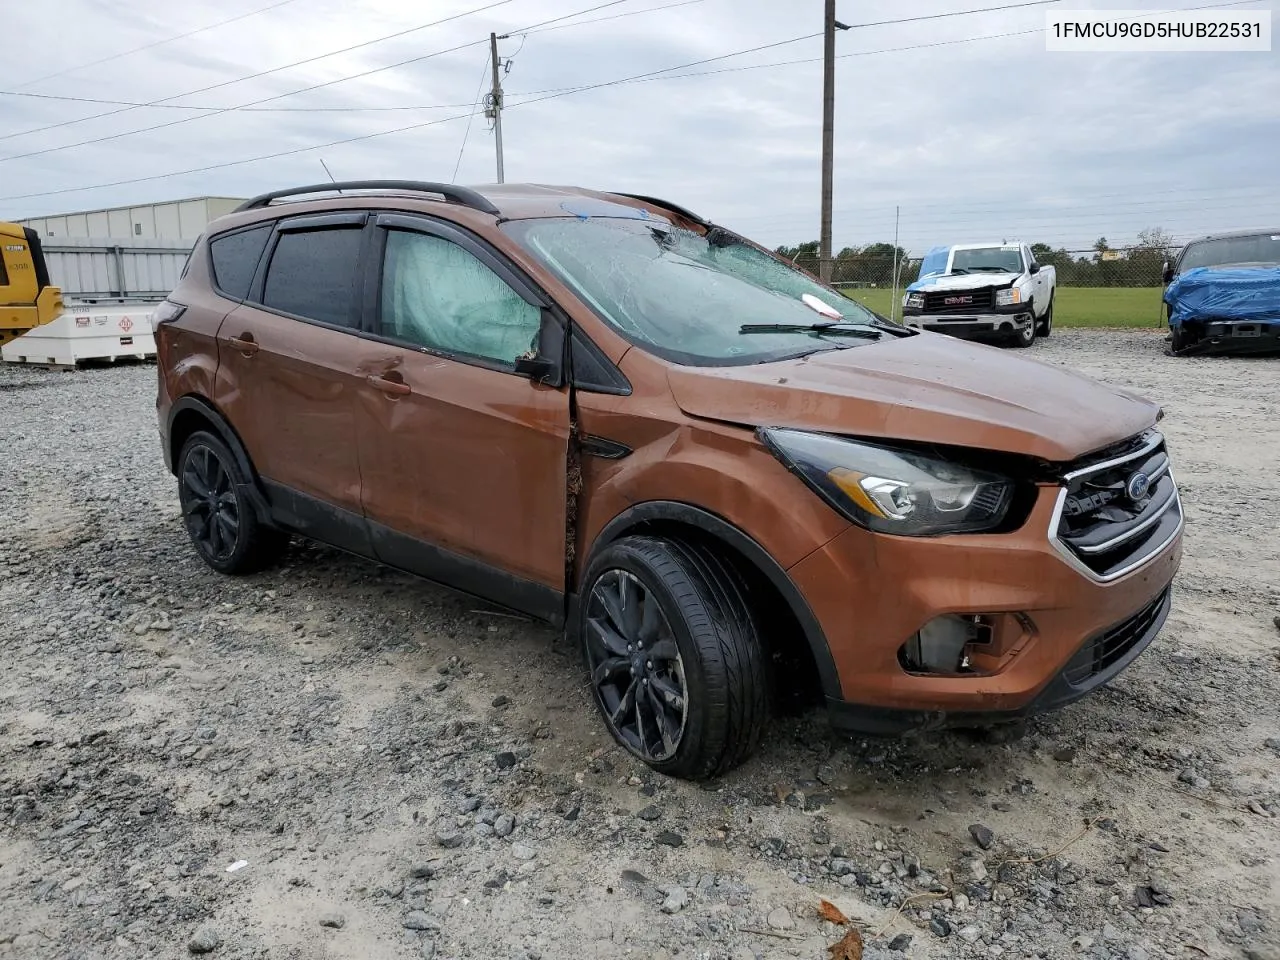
point(674, 655)
point(221, 522)
point(1044, 326)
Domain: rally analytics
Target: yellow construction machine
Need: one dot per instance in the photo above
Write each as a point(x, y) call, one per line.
point(27, 300)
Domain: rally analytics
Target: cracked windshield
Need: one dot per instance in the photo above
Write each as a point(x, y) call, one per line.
point(688, 297)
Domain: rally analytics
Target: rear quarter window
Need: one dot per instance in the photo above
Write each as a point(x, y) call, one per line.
point(235, 258)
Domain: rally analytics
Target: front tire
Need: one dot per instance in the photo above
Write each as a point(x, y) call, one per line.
point(674, 655)
point(222, 524)
point(1026, 336)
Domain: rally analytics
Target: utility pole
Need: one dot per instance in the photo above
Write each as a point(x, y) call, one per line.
point(495, 100)
point(828, 133)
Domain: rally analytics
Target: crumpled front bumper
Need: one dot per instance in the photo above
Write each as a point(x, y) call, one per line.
point(970, 325)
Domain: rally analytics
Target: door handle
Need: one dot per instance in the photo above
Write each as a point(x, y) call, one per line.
point(245, 344)
point(396, 388)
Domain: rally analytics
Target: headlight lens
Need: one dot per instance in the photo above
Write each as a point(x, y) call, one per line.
point(913, 300)
point(893, 490)
point(1006, 298)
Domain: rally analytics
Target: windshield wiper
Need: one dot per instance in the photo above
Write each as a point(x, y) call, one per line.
point(844, 328)
point(958, 270)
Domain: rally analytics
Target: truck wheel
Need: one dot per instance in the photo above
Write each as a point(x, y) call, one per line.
point(1045, 323)
point(1026, 336)
point(220, 521)
point(673, 649)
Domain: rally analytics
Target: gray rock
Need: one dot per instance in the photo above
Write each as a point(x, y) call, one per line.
point(468, 804)
point(1249, 922)
point(205, 940)
point(504, 825)
point(900, 942)
point(780, 919)
point(669, 838)
point(420, 920)
point(505, 760)
point(982, 836)
point(520, 852)
point(973, 868)
point(1064, 754)
point(335, 921)
point(969, 934)
point(649, 813)
point(422, 870)
point(676, 900)
point(450, 837)
point(939, 927)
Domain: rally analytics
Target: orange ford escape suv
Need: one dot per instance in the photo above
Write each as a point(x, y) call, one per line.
point(727, 482)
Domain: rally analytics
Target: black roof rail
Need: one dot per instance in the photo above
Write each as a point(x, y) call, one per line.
point(454, 194)
point(687, 214)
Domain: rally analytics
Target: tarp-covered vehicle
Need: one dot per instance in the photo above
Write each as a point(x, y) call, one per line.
point(1223, 295)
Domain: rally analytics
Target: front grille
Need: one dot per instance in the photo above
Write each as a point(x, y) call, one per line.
point(961, 301)
point(1109, 519)
point(1106, 652)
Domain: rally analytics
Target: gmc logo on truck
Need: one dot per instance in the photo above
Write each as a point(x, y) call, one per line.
point(957, 301)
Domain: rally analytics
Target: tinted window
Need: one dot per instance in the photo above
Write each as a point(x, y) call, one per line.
point(439, 296)
point(235, 257)
point(4, 276)
point(313, 273)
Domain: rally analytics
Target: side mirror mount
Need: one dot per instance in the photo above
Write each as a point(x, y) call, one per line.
point(1166, 273)
point(1034, 268)
point(537, 369)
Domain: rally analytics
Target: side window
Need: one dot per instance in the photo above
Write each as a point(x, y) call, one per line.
point(312, 274)
point(235, 258)
point(4, 274)
point(437, 295)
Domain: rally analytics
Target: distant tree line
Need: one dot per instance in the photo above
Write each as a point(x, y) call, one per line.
point(1138, 265)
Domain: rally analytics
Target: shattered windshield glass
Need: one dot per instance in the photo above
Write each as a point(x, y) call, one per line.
point(688, 296)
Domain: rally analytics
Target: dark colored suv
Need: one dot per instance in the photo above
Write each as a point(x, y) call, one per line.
point(731, 484)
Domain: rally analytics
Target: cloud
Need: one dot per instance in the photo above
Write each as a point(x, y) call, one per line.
point(970, 140)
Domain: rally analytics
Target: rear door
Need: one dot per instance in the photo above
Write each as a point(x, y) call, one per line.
point(287, 372)
point(463, 459)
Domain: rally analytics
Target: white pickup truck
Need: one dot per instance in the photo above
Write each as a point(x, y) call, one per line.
point(982, 291)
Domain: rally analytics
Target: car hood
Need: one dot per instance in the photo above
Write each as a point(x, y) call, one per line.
point(927, 388)
point(964, 281)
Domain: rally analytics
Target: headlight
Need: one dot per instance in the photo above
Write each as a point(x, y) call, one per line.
point(1007, 298)
point(913, 300)
point(893, 490)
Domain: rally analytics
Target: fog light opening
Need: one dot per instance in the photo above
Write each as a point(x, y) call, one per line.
point(943, 645)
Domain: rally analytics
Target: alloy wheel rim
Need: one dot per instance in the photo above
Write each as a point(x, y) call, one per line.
point(209, 504)
point(636, 668)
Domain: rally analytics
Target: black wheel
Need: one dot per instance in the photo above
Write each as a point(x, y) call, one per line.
point(674, 654)
point(222, 525)
point(1026, 336)
point(1044, 326)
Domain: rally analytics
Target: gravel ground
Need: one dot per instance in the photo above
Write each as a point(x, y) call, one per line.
point(333, 760)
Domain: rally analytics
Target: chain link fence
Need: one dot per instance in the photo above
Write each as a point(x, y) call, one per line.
point(1121, 267)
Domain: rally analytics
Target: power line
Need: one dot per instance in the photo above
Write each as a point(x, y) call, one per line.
point(471, 116)
point(156, 43)
point(281, 96)
point(264, 73)
point(615, 16)
point(551, 96)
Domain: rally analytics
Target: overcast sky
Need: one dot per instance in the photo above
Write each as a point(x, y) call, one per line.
point(991, 138)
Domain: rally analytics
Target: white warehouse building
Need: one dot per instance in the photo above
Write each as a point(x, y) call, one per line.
point(180, 221)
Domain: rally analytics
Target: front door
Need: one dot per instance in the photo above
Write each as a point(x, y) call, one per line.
point(288, 363)
point(463, 460)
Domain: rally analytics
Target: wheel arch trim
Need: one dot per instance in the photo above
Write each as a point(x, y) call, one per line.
point(732, 536)
point(227, 434)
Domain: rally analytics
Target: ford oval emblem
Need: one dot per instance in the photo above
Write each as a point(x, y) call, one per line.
point(1137, 486)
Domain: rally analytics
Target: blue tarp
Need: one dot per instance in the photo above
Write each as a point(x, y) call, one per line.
point(1241, 293)
point(934, 262)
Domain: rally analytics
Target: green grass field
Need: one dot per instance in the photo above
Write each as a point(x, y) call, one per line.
point(1074, 306)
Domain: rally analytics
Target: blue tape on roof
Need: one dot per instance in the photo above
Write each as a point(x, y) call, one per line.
point(1241, 293)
